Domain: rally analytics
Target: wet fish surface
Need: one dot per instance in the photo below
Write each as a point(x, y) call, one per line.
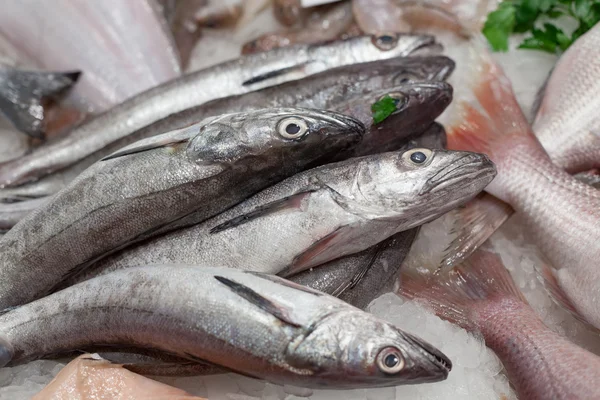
point(321, 214)
point(481, 297)
point(23, 92)
point(254, 324)
point(342, 89)
point(207, 167)
point(239, 76)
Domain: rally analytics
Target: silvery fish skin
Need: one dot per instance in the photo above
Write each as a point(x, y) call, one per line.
point(321, 214)
point(342, 89)
point(567, 122)
point(22, 93)
point(258, 325)
point(12, 213)
point(360, 278)
point(205, 168)
point(243, 75)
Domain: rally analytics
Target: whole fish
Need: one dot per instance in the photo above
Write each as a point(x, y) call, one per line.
point(239, 76)
point(204, 168)
point(360, 278)
point(254, 324)
point(23, 94)
point(568, 127)
point(481, 297)
point(325, 90)
point(111, 41)
point(321, 214)
point(545, 197)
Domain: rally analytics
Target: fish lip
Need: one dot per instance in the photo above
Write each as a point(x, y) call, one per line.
point(442, 363)
point(480, 165)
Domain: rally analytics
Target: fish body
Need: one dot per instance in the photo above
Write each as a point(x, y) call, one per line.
point(243, 75)
point(546, 198)
point(321, 214)
point(567, 122)
point(207, 167)
point(346, 89)
point(480, 296)
point(254, 324)
point(23, 92)
point(109, 41)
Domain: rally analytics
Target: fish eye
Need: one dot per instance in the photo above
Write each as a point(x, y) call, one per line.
point(390, 360)
point(418, 157)
point(404, 77)
point(292, 128)
point(385, 41)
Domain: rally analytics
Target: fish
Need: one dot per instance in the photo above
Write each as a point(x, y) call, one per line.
point(567, 127)
point(109, 41)
point(11, 213)
point(248, 73)
point(254, 324)
point(360, 278)
point(329, 22)
point(319, 215)
point(24, 95)
point(91, 376)
point(544, 196)
point(202, 169)
point(325, 90)
point(481, 297)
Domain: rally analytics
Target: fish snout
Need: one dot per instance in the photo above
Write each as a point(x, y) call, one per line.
point(469, 167)
point(437, 363)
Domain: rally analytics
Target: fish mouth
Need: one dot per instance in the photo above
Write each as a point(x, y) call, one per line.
point(440, 361)
point(345, 122)
point(472, 166)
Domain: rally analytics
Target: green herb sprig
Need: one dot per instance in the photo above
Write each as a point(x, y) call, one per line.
point(520, 16)
point(383, 108)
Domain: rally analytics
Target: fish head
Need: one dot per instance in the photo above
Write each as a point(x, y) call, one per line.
point(419, 69)
point(293, 136)
point(387, 45)
point(412, 186)
point(353, 349)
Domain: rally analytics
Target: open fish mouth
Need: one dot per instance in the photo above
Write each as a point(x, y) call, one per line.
point(441, 362)
point(470, 167)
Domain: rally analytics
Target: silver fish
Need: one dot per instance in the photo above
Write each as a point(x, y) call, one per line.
point(243, 75)
point(23, 92)
point(342, 89)
point(321, 214)
point(207, 167)
point(258, 325)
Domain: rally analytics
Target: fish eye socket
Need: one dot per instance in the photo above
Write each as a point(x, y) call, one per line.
point(390, 360)
point(385, 41)
point(405, 77)
point(418, 157)
point(292, 128)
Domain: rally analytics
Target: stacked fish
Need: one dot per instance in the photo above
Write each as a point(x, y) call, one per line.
point(163, 227)
point(242, 217)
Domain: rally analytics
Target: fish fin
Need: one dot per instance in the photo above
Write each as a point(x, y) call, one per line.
point(285, 282)
point(310, 257)
point(258, 300)
point(360, 274)
point(159, 143)
point(458, 295)
point(274, 74)
point(539, 98)
point(496, 123)
point(292, 202)
point(557, 294)
point(473, 225)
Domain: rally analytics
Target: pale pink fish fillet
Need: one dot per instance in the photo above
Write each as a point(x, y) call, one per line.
point(481, 296)
point(122, 47)
point(561, 213)
point(89, 377)
point(568, 121)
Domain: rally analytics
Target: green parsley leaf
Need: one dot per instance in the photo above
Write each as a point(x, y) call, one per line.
point(383, 109)
point(499, 25)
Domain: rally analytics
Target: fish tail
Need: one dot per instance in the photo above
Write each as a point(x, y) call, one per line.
point(466, 294)
point(473, 225)
point(493, 123)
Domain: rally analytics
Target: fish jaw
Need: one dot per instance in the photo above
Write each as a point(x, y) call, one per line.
point(357, 366)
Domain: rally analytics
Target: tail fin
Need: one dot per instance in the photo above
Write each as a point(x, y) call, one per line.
point(463, 295)
point(497, 121)
point(473, 225)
